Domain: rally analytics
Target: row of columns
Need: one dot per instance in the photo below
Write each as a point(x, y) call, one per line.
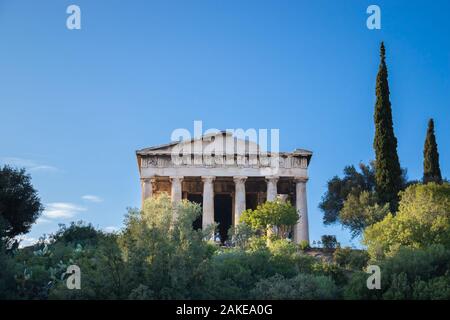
point(301, 232)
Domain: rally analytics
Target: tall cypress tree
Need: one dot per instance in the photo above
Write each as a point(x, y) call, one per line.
point(431, 169)
point(388, 174)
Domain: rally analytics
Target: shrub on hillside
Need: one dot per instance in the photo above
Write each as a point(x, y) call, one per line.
point(423, 220)
point(350, 258)
point(409, 274)
point(302, 286)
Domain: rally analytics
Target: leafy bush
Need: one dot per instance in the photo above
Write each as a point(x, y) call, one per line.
point(329, 242)
point(282, 247)
point(163, 253)
point(235, 273)
point(350, 258)
point(423, 219)
point(303, 286)
point(303, 245)
point(362, 210)
point(241, 235)
point(277, 216)
point(408, 274)
point(77, 233)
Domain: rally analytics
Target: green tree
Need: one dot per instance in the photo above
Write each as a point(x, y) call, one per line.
point(329, 241)
point(20, 205)
point(77, 233)
point(388, 174)
point(7, 282)
point(265, 217)
point(349, 258)
point(338, 189)
point(431, 169)
point(423, 219)
point(361, 211)
point(241, 235)
point(166, 257)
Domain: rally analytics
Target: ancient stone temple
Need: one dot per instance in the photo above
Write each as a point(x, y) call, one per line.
point(226, 175)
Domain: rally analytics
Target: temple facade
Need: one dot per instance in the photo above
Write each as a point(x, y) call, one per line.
point(226, 175)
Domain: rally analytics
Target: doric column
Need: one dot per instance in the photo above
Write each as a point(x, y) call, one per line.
point(272, 188)
point(301, 229)
point(239, 197)
point(272, 192)
point(147, 188)
point(208, 201)
point(176, 189)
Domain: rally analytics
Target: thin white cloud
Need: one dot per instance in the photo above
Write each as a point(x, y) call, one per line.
point(41, 220)
point(61, 210)
point(111, 229)
point(28, 164)
point(92, 198)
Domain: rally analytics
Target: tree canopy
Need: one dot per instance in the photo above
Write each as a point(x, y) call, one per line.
point(423, 219)
point(431, 168)
point(279, 214)
point(338, 189)
point(388, 174)
point(20, 205)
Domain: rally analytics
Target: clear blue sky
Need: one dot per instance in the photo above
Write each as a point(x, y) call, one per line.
point(76, 104)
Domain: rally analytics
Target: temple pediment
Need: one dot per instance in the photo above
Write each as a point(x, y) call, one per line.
point(221, 154)
point(217, 143)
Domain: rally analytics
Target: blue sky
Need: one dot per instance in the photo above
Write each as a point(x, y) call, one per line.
point(76, 104)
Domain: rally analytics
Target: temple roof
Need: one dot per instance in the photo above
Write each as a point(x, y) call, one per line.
point(210, 141)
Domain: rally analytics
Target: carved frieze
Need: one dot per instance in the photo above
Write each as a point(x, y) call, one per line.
point(219, 161)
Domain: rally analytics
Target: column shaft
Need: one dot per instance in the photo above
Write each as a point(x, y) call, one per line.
point(176, 189)
point(147, 189)
point(208, 201)
point(239, 198)
point(301, 229)
point(272, 188)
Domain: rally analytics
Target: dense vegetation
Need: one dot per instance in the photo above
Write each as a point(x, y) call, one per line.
point(156, 256)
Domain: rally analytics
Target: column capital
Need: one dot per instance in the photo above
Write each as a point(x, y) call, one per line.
point(272, 178)
point(208, 179)
point(301, 179)
point(176, 178)
point(239, 179)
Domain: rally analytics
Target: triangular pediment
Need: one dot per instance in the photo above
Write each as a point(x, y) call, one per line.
point(216, 143)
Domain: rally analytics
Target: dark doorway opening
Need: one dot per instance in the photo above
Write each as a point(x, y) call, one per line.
point(197, 198)
point(251, 201)
point(223, 214)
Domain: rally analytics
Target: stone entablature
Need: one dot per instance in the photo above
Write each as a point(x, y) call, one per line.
point(282, 160)
point(248, 176)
